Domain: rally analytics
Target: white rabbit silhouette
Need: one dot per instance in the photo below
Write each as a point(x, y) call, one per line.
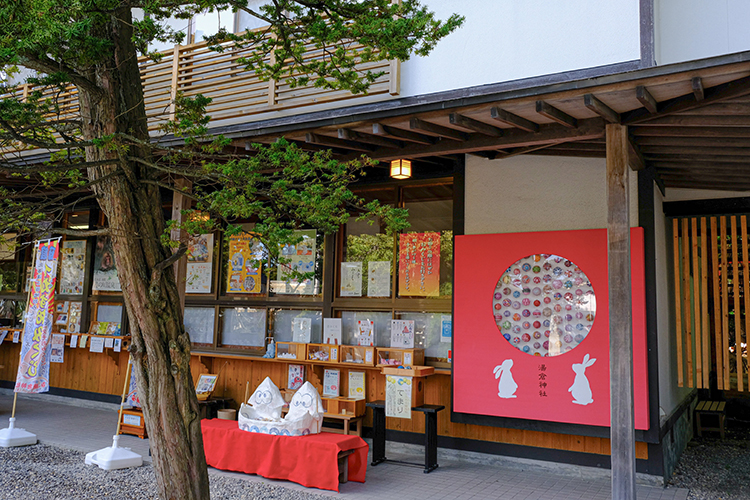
point(507, 386)
point(581, 390)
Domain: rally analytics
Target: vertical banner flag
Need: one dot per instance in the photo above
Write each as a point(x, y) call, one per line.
point(33, 369)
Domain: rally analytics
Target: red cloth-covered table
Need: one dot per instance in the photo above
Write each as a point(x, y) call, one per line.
point(311, 461)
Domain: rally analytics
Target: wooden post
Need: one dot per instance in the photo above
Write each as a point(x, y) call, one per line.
point(180, 202)
point(620, 315)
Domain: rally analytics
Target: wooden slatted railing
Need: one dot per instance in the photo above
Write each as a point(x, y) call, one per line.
point(238, 95)
point(712, 301)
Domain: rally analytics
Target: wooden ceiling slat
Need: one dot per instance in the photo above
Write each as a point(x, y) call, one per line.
point(407, 135)
point(474, 125)
point(516, 121)
point(718, 186)
point(601, 109)
point(674, 131)
point(700, 121)
point(554, 114)
point(698, 150)
point(324, 140)
point(708, 142)
point(704, 168)
point(696, 159)
point(437, 130)
point(353, 135)
point(698, 91)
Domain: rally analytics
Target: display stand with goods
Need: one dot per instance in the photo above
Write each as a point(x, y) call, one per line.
point(262, 413)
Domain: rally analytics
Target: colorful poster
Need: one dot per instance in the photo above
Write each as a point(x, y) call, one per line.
point(117, 346)
point(397, 396)
point(419, 265)
point(199, 263)
point(332, 330)
point(379, 278)
point(74, 317)
point(72, 267)
point(351, 279)
point(245, 264)
point(301, 329)
point(295, 377)
point(57, 354)
point(331, 383)
point(297, 258)
point(33, 368)
point(365, 332)
point(105, 268)
point(402, 333)
point(357, 385)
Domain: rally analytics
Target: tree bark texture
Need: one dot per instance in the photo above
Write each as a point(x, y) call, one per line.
point(160, 346)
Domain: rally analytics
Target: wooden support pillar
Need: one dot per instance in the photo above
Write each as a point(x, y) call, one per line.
point(620, 315)
point(180, 202)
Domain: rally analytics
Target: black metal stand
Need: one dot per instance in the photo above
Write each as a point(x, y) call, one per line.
point(430, 434)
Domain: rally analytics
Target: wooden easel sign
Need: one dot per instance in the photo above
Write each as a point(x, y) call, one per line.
point(205, 385)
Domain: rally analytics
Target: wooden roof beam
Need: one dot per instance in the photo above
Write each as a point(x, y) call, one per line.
point(601, 109)
point(475, 125)
point(556, 115)
point(687, 102)
point(437, 130)
point(635, 158)
point(698, 91)
point(513, 120)
point(552, 133)
point(645, 98)
point(407, 135)
point(697, 159)
point(333, 142)
point(706, 184)
point(676, 131)
point(683, 149)
point(353, 135)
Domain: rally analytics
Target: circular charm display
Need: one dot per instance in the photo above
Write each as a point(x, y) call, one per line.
point(565, 300)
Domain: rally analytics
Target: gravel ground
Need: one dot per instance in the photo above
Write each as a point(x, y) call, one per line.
point(45, 472)
point(714, 469)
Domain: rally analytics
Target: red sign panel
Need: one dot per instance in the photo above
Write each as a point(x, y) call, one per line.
point(531, 324)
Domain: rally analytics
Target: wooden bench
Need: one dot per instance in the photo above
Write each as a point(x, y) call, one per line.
point(712, 409)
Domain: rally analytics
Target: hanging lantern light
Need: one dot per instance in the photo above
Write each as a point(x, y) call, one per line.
point(400, 169)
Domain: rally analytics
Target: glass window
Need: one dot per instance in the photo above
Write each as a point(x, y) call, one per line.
point(109, 313)
point(365, 243)
point(284, 323)
point(306, 256)
point(242, 327)
point(428, 329)
point(382, 326)
point(199, 323)
point(426, 249)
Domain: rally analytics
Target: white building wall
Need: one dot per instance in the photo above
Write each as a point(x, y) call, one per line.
point(538, 193)
point(694, 29)
point(504, 40)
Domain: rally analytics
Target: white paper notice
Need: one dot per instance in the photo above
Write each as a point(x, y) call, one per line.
point(16, 336)
point(109, 342)
point(357, 385)
point(446, 328)
point(368, 357)
point(351, 279)
point(301, 328)
point(402, 334)
point(331, 383)
point(397, 396)
point(379, 278)
point(118, 345)
point(73, 341)
point(58, 348)
point(331, 330)
point(97, 344)
point(365, 332)
point(295, 377)
point(3, 334)
point(199, 264)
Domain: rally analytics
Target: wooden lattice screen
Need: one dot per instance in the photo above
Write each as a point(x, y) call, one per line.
point(712, 301)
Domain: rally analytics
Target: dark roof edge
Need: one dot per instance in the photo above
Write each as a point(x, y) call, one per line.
point(556, 82)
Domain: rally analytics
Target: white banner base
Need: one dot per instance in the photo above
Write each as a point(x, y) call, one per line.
point(10, 436)
point(114, 457)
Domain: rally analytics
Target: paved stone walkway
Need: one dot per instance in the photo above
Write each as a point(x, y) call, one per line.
point(86, 426)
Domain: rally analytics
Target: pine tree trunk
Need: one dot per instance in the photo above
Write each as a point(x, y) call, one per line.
point(160, 345)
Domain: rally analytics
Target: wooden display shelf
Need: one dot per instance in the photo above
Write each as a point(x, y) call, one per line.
point(344, 406)
point(299, 351)
point(360, 355)
point(414, 371)
point(400, 357)
point(329, 353)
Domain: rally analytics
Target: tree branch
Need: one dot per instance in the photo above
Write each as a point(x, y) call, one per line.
point(49, 66)
point(83, 233)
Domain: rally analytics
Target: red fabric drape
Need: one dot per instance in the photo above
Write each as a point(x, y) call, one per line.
point(308, 460)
